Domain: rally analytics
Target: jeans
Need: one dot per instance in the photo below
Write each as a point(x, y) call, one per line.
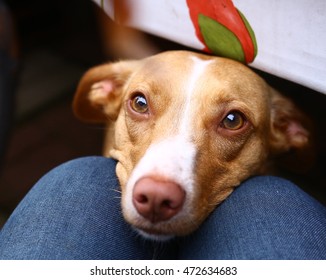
point(74, 212)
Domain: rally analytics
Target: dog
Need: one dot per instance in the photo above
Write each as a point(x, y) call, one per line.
point(186, 129)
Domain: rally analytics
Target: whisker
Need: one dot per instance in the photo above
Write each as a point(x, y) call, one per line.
point(115, 190)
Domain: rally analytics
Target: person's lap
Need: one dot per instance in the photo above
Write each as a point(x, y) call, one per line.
point(265, 218)
point(74, 212)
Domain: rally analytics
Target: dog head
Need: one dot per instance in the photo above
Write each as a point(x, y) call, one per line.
point(186, 129)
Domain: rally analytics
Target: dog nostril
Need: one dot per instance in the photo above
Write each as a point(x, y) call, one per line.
point(157, 200)
point(142, 199)
point(167, 203)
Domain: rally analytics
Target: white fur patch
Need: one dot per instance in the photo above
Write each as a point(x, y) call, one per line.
point(198, 69)
point(172, 158)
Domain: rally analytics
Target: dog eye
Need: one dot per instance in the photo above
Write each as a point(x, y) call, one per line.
point(234, 120)
point(139, 103)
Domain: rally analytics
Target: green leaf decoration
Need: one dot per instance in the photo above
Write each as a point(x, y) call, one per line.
point(251, 32)
point(220, 40)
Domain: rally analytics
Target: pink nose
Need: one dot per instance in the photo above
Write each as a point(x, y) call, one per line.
point(157, 200)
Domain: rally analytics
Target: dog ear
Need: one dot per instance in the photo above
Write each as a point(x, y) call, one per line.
point(291, 138)
point(99, 93)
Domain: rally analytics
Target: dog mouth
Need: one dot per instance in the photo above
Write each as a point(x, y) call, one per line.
point(154, 234)
point(163, 231)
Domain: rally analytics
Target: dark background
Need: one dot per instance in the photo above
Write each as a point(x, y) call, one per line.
point(57, 42)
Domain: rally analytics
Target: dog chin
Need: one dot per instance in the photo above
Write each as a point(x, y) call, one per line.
point(154, 236)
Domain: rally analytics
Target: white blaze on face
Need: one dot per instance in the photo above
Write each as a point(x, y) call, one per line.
point(172, 158)
point(198, 69)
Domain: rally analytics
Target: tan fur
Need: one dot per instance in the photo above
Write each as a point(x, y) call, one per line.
point(224, 158)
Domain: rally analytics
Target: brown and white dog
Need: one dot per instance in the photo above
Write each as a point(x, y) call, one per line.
point(186, 129)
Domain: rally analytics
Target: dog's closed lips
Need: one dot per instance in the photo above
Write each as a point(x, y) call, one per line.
point(186, 129)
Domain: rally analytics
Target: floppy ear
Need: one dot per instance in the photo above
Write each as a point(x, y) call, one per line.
point(99, 93)
point(291, 134)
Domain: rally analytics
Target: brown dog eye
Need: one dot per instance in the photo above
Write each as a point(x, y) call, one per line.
point(233, 121)
point(139, 104)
